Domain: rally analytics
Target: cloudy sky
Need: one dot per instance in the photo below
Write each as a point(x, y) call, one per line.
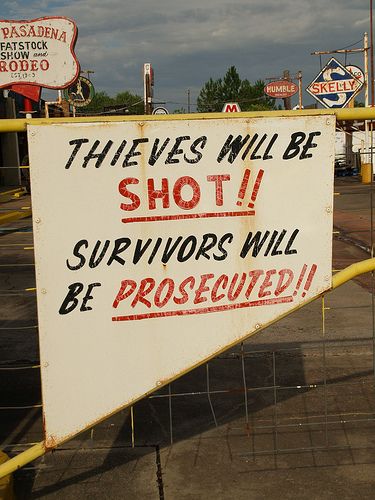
point(187, 42)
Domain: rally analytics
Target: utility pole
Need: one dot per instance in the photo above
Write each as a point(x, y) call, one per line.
point(148, 83)
point(188, 100)
point(287, 100)
point(88, 72)
point(365, 62)
point(365, 51)
point(299, 77)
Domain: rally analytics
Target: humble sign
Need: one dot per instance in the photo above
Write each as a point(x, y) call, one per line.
point(38, 52)
point(167, 241)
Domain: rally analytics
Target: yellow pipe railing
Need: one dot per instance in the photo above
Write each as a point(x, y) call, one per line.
point(350, 114)
point(22, 459)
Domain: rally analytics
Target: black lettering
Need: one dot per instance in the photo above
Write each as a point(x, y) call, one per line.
point(71, 301)
point(94, 263)
point(267, 156)
point(98, 156)
point(206, 245)
point(275, 250)
point(254, 155)
point(175, 150)
point(121, 244)
point(309, 145)
point(227, 237)
point(155, 250)
point(140, 250)
point(88, 297)
point(118, 153)
point(78, 143)
point(249, 146)
point(155, 153)
point(169, 250)
point(233, 146)
point(76, 253)
point(255, 241)
point(198, 154)
point(288, 250)
point(294, 146)
point(190, 240)
point(133, 152)
point(270, 244)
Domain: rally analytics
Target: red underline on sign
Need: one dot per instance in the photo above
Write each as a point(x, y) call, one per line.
point(204, 310)
point(154, 218)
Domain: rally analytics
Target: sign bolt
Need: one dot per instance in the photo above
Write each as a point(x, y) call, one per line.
point(38, 220)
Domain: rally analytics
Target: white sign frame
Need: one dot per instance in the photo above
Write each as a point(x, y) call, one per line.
point(244, 237)
point(38, 52)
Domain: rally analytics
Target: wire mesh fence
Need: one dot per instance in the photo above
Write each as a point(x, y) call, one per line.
point(304, 384)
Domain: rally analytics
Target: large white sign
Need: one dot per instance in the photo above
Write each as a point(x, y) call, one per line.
point(163, 242)
point(38, 52)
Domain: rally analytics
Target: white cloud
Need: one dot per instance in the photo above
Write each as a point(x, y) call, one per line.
point(188, 42)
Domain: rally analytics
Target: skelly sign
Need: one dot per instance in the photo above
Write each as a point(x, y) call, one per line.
point(179, 239)
point(39, 52)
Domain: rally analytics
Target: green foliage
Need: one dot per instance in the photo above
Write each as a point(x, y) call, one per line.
point(215, 93)
point(133, 103)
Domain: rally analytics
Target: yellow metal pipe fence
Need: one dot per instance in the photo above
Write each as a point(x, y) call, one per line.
point(339, 278)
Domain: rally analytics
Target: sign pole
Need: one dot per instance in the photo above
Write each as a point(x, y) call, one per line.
point(28, 107)
point(365, 55)
point(299, 76)
point(287, 101)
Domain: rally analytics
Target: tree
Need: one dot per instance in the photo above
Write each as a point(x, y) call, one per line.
point(210, 96)
point(215, 93)
point(132, 104)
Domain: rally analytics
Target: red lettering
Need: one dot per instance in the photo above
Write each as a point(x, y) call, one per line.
point(254, 275)
point(196, 193)
point(121, 295)
point(128, 194)
point(44, 64)
point(145, 287)
point(221, 281)
point(233, 295)
point(169, 283)
point(184, 295)
point(218, 180)
point(154, 194)
point(202, 288)
point(24, 65)
point(282, 286)
point(266, 284)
